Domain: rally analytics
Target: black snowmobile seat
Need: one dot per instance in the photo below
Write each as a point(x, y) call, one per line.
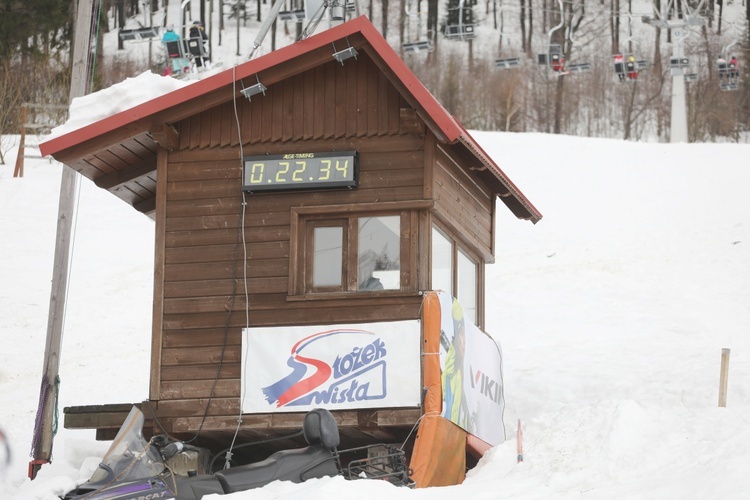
point(319, 427)
point(317, 460)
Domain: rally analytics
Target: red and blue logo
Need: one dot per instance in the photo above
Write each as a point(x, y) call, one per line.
point(355, 370)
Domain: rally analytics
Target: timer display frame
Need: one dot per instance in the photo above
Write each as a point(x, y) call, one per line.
point(292, 171)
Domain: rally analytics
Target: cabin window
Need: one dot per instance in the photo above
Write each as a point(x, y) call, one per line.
point(379, 253)
point(327, 255)
point(442, 262)
point(354, 252)
point(467, 285)
point(455, 271)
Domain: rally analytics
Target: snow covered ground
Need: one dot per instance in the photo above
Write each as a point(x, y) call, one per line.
point(612, 313)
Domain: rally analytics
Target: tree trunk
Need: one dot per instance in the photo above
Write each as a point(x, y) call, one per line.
point(614, 26)
point(401, 26)
point(384, 13)
point(523, 25)
point(629, 113)
point(531, 28)
point(721, 14)
point(657, 44)
point(120, 22)
point(559, 92)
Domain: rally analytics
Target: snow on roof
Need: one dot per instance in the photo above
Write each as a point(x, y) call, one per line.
point(91, 108)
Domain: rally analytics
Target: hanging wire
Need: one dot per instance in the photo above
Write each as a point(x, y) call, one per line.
point(244, 267)
point(240, 239)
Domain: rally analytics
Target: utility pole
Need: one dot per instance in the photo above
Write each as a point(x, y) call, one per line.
point(46, 413)
point(678, 63)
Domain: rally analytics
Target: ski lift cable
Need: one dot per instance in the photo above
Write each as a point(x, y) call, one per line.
point(610, 12)
point(314, 21)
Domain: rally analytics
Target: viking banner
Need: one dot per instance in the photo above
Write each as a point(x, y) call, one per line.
point(296, 369)
point(472, 380)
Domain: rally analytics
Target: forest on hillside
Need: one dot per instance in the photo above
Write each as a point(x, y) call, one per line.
point(505, 65)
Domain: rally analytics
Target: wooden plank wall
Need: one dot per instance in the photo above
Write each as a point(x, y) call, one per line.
point(464, 203)
point(333, 107)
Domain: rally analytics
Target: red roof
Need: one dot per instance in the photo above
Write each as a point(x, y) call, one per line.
point(360, 33)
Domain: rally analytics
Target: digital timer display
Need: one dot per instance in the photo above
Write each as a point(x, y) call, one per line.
point(299, 171)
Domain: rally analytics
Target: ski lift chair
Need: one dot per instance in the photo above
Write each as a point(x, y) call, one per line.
point(619, 65)
point(725, 70)
point(460, 31)
point(196, 48)
point(679, 62)
point(419, 46)
point(579, 67)
point(177, 59)
point(728, 76)
point(424, 45)
point(460, 24)
point(554, 49)
point(137, 34)
point(508, 63)
point(729, 85)
point(292, 15)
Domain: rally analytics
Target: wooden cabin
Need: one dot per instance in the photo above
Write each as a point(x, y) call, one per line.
point(414, 191)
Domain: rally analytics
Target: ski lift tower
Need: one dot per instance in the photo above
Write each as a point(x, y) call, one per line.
point(678, 63)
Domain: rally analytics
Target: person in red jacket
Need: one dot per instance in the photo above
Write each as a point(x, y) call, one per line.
point(557, 63)
point(734, 70)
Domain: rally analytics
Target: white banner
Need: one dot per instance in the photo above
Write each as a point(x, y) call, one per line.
point(294, 369)
point(471, 362)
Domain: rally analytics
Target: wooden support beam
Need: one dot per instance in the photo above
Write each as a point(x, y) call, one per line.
point(147, 206)
point(126, 175)
point(165, 135)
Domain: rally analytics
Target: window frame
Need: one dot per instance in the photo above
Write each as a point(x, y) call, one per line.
point(310, 255)
point(303, 219)
point(460, 251)
point(458, 246)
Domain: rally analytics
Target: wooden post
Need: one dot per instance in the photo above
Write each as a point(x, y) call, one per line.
point(44, 431)
point(18, 171)
point(723, 379)
point(519, 443)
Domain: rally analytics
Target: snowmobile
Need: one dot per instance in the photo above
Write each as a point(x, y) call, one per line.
point(134, 468)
